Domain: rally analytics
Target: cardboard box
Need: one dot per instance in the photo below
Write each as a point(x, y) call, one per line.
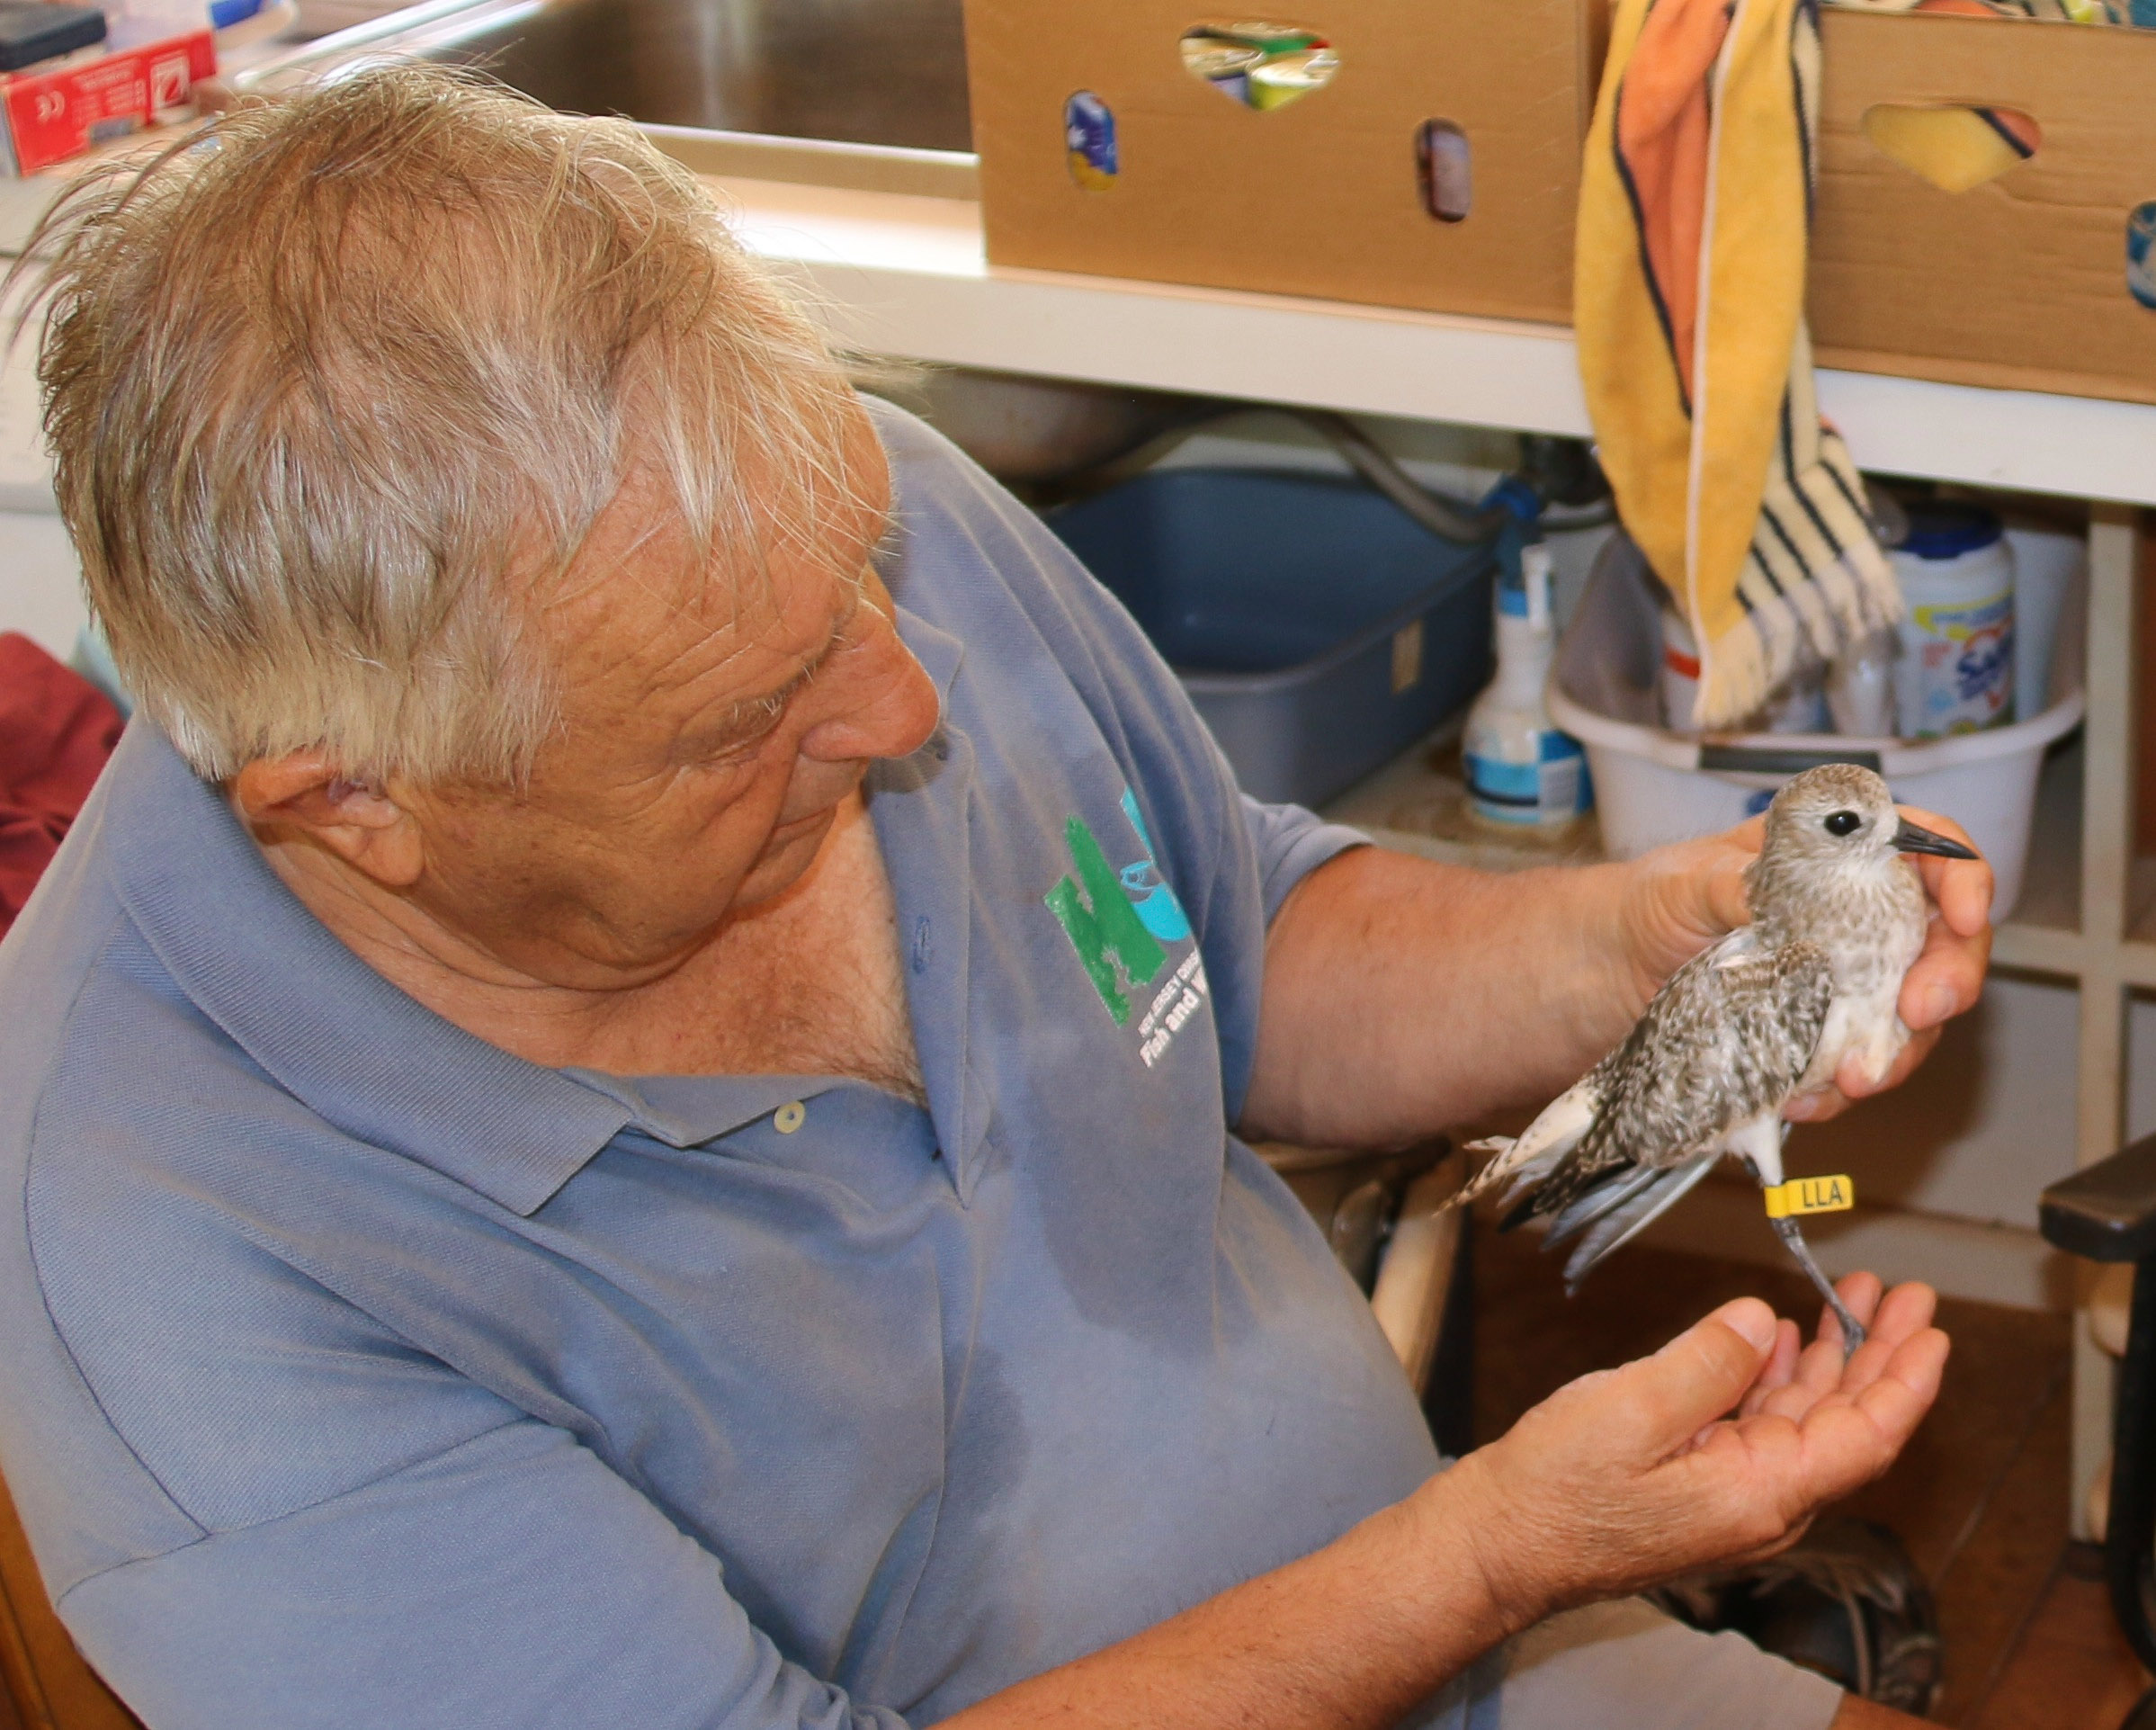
point(2020, 282)
point(1321, 197)
point(54, 115)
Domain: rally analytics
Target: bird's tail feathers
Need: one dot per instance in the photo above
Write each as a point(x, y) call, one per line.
point(1614, 1214)
point(1527, 1159)
point(1491, 1174)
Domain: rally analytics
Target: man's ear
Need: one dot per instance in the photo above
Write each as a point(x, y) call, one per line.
point(303, 796)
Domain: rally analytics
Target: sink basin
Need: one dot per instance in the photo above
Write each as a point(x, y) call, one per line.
point(889, 73)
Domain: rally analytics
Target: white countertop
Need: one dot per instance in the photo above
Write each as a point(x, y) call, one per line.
point(907, 275)
point(900, 275)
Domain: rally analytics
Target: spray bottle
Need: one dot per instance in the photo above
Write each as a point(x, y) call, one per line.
point(1521, 771)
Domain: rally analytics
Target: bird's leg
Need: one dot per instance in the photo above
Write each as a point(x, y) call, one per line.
point(1852, 1330)
point(1758, 1143)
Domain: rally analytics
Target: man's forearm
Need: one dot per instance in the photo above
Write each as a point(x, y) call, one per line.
point(1350, 1637)
point(1402, 995)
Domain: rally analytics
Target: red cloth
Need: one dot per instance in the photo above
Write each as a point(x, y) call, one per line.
point(55, 730)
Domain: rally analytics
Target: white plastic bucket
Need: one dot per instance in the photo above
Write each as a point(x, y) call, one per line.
point(1653, 786)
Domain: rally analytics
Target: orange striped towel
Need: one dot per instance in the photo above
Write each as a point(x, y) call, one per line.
point(1689, 302)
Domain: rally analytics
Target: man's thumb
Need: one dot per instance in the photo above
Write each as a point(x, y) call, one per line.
point(1702, 1374)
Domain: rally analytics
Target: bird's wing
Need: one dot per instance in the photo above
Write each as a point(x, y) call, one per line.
point(1620, 1210)
point(1727, 1037)
point(1528, 1160)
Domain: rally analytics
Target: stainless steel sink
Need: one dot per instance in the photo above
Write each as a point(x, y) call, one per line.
point(872, 72)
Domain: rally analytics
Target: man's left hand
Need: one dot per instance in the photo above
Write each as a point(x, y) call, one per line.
point(1683, 897)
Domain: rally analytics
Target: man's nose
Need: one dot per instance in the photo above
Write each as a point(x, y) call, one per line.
point(886, 706)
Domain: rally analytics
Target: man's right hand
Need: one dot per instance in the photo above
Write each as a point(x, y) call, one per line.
point(1719, 1449)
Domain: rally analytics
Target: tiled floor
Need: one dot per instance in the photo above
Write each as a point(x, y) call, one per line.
point(2071, 1666)
point(1979, 1497)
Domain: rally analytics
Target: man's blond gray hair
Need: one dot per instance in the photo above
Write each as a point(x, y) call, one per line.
point(337, 387)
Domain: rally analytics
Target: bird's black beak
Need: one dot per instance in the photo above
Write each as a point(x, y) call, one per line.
point(1911, 837)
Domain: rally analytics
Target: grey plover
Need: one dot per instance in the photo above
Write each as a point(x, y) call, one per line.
point(1771, 1010)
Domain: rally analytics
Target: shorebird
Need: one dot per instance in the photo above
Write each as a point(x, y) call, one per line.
point(1771, 1010)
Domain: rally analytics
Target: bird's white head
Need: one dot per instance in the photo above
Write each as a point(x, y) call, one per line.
point(1833, 824)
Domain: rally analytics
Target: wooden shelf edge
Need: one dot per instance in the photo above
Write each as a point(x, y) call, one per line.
point(2040, 949)
point(2137, 962)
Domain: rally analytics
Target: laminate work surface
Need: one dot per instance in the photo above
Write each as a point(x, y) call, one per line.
point(1979, 1497)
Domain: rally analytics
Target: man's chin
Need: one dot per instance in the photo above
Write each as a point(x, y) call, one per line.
point(788, 856)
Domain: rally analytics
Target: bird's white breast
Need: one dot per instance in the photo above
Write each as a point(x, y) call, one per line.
point(1871, 924)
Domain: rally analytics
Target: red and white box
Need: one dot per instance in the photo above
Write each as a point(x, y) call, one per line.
point(54, 115)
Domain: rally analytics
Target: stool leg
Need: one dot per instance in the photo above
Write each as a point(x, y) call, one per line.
point(2130, 1532)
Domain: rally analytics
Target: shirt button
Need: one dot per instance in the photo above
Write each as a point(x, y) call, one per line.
point(790, 1116)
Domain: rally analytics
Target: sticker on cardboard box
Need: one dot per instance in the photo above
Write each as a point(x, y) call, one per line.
point(2141, 254)
point(1089, 140)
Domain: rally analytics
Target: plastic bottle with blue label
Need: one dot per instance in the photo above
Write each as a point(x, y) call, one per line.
point(1521, 770)
point(1956, 669)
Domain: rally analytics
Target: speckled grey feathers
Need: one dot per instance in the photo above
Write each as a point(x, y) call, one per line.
point(1771, 1009)
point(1727, 1037)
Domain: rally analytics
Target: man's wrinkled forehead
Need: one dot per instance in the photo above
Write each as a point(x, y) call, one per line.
point(641, 543)
point(644, 604)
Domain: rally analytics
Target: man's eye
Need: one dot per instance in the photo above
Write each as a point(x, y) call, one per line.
point(736, 748)
point(751, 724)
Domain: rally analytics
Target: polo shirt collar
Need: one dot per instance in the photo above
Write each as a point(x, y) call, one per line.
point(368, 1058)
point(359, 1053)
point(687, 1111)
point(921, 806)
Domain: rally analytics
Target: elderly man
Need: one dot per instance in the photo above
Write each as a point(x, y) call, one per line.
point(593, 1137)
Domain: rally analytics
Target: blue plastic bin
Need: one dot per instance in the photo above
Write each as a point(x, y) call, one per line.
point(1317, 628)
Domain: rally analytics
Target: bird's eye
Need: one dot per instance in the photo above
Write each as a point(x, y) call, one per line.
point(1844, 822)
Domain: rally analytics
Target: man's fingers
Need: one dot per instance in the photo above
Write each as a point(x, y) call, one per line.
point(1960, 887)
point(1823, 1374)
point(1861, 1291)
point(1734, 851)
point(1947, 978)
point(1819, 1370)
point(1851, 1081)
point(1797, 1460)
point(1816, 1106)
point(1780, 1368)
point(1904, 1312)
point(1700, 1376)
point(1957, 946)
point(1963, 890)
point(1848, 1443)
point(1659, 1478)
point(1897, 1399)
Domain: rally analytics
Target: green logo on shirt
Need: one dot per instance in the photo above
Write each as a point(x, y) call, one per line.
point(1102, 922)
point(1123, 919)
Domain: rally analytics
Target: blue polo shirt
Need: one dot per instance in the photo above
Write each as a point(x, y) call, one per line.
point(360, 1374)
